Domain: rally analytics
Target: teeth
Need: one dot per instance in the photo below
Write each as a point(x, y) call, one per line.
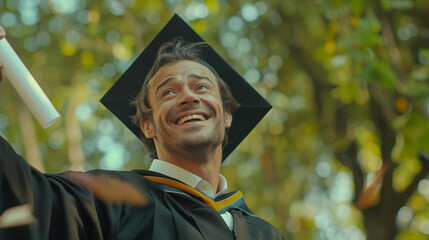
point(191, 117)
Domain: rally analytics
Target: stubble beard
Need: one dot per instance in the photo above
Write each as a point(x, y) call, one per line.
point(198, 151)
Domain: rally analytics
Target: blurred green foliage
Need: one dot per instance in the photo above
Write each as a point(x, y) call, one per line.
point(340, 74)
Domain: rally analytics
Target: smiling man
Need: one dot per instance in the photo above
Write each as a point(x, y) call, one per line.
point(185, 116)
point(182, 97)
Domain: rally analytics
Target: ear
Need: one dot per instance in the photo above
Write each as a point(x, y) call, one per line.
point(228, 118)
point(147, 129)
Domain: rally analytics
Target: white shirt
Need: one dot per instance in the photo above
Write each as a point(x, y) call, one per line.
point(195, 182)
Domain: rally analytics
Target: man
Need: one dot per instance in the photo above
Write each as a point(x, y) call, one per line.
point(181, 113)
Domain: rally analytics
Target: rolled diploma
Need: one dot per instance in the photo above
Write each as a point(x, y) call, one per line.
point(26, 86)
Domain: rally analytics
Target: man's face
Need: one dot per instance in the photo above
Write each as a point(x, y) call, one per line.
point(187, 109)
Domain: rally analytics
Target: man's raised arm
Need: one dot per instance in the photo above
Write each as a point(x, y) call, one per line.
point(57, 206)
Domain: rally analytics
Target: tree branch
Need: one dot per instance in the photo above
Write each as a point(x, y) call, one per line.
point(315, 72)
point(403, 197)
point(387, 138)
point(392, 48)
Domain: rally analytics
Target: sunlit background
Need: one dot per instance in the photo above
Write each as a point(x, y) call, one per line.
point(348, 81)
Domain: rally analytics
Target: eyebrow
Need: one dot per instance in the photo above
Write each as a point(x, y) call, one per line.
point(169, 79)
point(201, 77)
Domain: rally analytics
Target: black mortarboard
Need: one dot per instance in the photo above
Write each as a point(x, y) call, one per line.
point(253, 106)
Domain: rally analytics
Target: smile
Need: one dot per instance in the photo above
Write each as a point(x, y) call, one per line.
point(185, 119)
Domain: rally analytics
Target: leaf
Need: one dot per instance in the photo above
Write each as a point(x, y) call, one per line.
point(367, 33)
point(17, 216)
point(402, 105)
point(371, 195)
point(401, 4)
point(380, 73)
point(397, 4)
point(109, 189)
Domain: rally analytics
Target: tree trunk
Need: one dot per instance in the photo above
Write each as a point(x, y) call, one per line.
point(31, 147)
point(380, 226)
point(74, 138)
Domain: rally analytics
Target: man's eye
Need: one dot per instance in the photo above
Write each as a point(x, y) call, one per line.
point(167, 92)
point(202, 87)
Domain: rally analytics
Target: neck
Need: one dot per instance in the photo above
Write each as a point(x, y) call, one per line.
point(206, 166)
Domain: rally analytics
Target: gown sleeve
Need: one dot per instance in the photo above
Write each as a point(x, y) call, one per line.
point(63, 209)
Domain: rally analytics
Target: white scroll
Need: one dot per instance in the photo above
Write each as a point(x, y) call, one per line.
point(26, 86)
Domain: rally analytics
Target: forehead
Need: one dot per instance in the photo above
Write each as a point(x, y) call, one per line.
point(180, 69)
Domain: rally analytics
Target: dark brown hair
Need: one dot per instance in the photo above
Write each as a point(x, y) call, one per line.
point(170, 52)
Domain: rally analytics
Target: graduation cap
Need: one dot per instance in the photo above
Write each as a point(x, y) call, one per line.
point(253, 106)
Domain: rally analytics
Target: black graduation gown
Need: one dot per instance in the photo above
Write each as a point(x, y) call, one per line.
point(66, 210)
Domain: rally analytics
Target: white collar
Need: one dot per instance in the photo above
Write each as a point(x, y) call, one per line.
point(189, 178)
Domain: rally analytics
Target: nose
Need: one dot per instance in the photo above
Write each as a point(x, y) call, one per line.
point(189, 97)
